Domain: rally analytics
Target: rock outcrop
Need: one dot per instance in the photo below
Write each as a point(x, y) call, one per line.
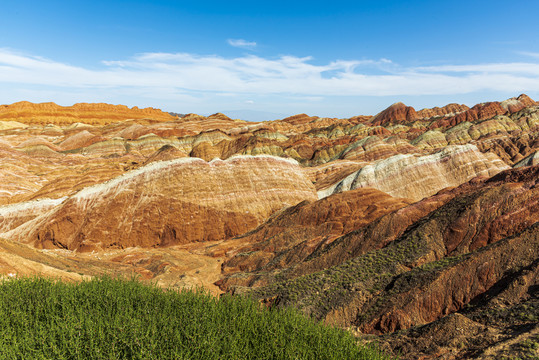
point(485, 111)
point(516, 104)
point(531, 160)
point(294, 234)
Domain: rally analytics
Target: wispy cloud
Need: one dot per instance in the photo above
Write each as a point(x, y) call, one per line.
point(188, 74)
point(499, 68)
point(240, 43)
point(528, 53)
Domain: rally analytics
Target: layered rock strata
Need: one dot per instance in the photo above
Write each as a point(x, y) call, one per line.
point(171, 202)
point(414, 177)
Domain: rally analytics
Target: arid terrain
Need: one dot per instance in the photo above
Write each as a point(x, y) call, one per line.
point(418, 229)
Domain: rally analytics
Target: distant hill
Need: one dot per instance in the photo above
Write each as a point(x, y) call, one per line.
point(94, 114)
point(254, 115)
point(247, 115)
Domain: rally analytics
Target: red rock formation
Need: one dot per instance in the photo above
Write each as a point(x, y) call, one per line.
point(516, 104)
point(331, 173)
point(484, 111)
point(79, 140)
point(397, 113)
point(165, 153)
point(432, 268)
point(220, 116)
point(358, 257)
point(448, 290)
point(293, 234)
point(369, 149)
point(299, 119)
point(478, 112)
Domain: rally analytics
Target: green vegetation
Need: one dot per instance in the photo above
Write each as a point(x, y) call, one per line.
point(119, 319)
point(377, 274)
point(521, 314)
point(321, 291)
point(523, 350)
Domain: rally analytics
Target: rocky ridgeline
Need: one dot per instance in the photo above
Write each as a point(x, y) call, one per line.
point(50, 113)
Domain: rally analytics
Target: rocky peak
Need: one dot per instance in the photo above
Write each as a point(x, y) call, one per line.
point(395, 114)
point(220, 116)
point(515, 104)
point(299, 119)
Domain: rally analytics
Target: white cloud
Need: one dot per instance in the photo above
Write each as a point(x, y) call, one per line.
point(501, 68)
point(165, 75)
point(241, 43)
point(528, 53)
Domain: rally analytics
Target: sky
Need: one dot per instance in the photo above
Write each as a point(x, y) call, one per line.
point(268, 58)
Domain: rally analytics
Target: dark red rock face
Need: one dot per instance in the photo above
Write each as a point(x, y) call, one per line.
point(478, 112)
point(395, 114)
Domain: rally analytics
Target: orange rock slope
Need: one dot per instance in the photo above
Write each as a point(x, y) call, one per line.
point(50, 113)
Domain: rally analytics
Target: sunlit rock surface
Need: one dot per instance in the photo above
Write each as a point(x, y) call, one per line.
point(416, 177)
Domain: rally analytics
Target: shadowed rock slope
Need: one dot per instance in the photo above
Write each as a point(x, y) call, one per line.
point(469, 246)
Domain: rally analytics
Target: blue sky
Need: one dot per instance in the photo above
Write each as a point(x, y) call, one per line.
point(326, 58)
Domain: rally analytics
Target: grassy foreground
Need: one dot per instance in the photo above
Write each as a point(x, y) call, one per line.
point(119, 319)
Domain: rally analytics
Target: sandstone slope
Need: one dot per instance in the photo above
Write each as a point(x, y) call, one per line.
point(416, 177)
point(168, 203)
